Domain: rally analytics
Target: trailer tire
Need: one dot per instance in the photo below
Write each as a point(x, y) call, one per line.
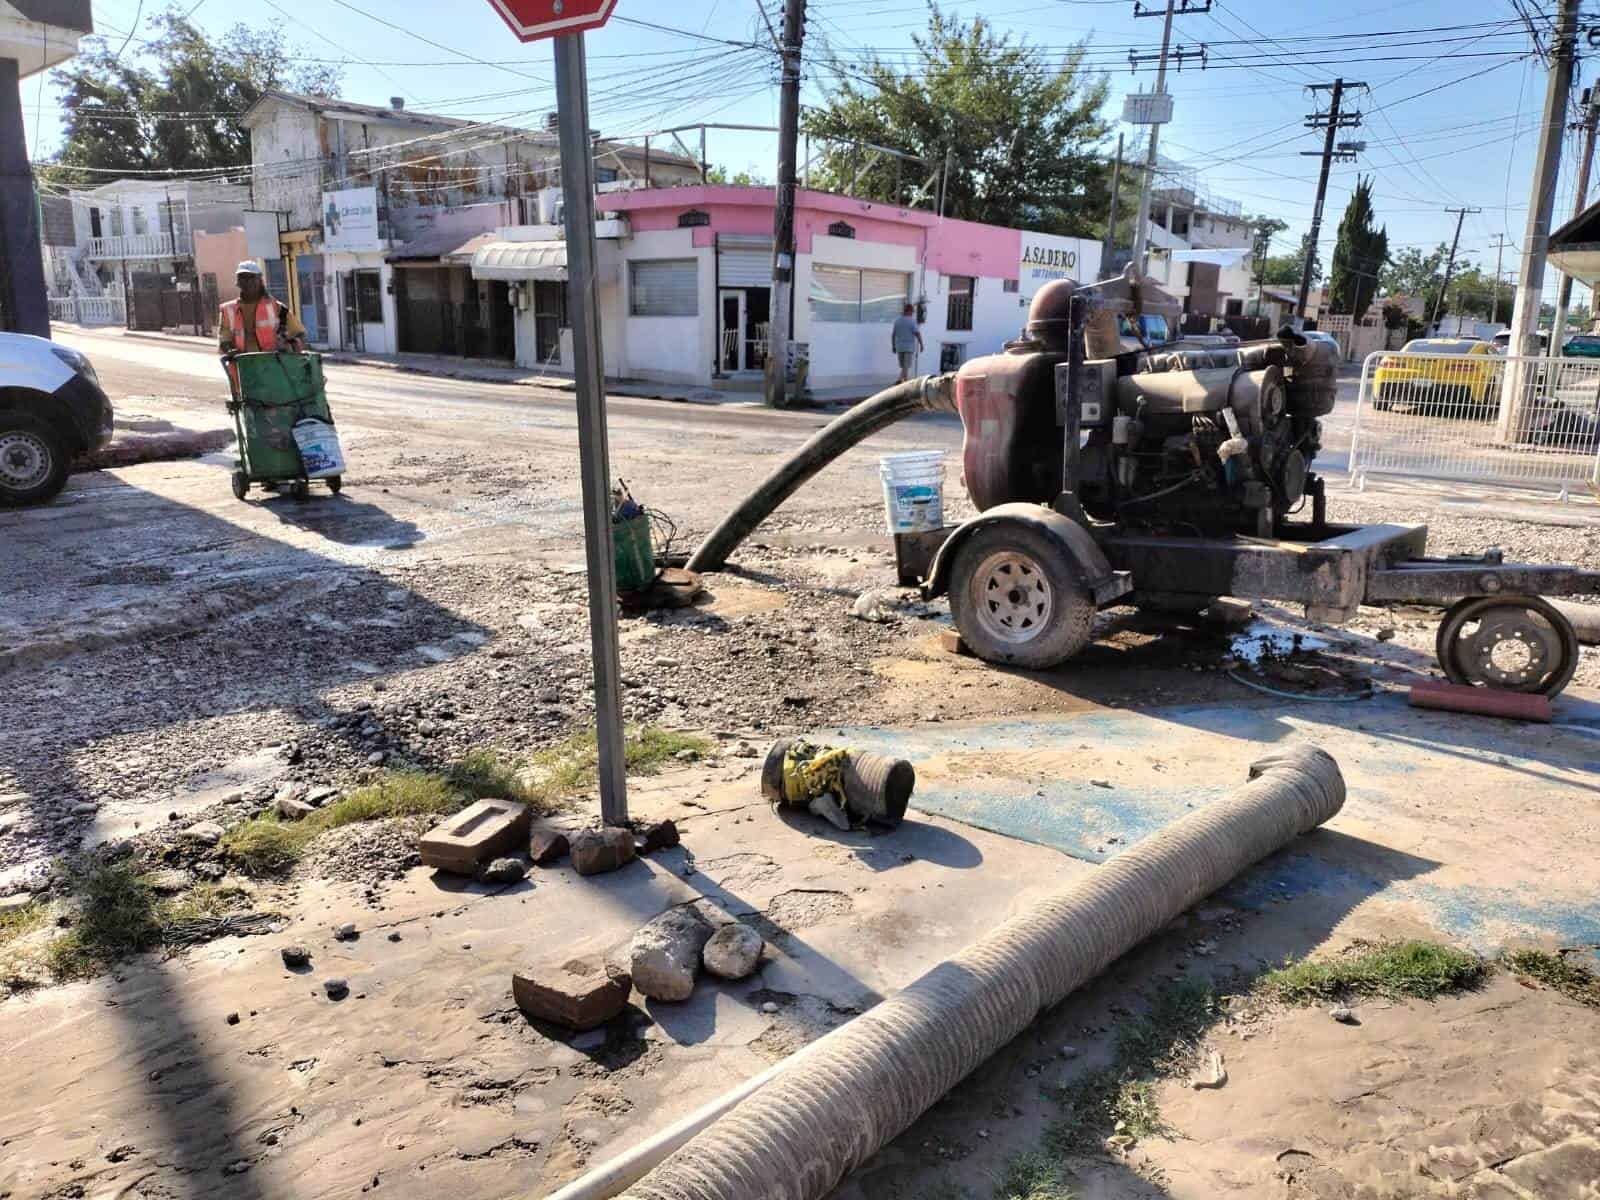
point(1016, 598)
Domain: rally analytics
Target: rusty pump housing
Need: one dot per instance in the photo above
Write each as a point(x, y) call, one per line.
point(1080, 413)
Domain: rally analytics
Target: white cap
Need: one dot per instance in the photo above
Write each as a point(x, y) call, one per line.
point(249, 267)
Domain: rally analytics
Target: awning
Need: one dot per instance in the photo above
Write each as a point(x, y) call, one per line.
point(1575, 247)
point(520, 260)
point(1230, 256)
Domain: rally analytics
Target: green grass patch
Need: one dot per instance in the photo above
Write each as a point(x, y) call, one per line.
point(1119, 1100)
point(1555, 971)
point(19, 922)
point(269, 845)
point(1396, 970)
point(118, 916)
point(1034, 1177)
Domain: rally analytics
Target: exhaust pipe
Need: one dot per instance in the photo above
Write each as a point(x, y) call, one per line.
point(851, 1091)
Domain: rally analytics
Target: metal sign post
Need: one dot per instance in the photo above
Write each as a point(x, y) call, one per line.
point(577, 185)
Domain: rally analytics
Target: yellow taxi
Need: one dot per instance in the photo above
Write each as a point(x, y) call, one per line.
point(1458, 373)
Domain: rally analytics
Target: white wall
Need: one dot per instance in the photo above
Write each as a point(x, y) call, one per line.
point(997, 317)
point(851, 354)
point(665, 349)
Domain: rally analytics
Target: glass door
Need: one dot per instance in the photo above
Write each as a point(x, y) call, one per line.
point(730, 331)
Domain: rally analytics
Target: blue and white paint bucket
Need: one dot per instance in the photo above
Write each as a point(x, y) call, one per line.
point(913, 490)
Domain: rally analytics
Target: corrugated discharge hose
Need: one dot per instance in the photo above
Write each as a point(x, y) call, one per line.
point(932, 393)
point(801, 1134)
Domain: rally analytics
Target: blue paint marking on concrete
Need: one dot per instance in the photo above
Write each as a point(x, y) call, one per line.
point(1079, 819)
point(1479, 915)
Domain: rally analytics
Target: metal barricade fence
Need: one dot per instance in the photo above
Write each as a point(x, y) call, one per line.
point(1479, 418)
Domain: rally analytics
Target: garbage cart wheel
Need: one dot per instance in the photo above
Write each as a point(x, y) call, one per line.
point(300, 490)
point(335, 484)
point(241, 485)
point(1016, 599)
point(1517, 643)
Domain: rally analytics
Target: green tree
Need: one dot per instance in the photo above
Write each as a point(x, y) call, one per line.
point(1022, 128)
point(1472, 292)
point(177, 105)
point(749, 177)
point(1413, 273)
point(1262, 231)
point(1282, 270)
point(1358, 255)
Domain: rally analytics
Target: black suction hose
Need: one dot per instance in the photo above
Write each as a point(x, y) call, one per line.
point(932, 393)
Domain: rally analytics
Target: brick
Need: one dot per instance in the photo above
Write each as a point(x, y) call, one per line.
point(578, 994)
point(489, 829)
point(951, 642)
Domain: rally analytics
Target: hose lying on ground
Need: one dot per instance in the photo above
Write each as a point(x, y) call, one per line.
point(933, 393)
point(867, 1081)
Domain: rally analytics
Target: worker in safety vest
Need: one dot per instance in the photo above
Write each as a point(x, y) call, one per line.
point(255, 321)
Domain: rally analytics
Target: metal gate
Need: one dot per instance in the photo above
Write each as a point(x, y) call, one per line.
point(744, 261)
point(1479, 417)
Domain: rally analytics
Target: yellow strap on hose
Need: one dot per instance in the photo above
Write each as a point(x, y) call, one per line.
point(810, 771)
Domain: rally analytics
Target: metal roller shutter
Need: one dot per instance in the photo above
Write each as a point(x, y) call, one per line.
point(665, 287)
point(744, 260)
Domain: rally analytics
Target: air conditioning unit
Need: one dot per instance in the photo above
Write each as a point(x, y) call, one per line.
point(552, 206)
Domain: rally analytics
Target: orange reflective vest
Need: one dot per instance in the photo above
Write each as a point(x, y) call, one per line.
point(270, 316)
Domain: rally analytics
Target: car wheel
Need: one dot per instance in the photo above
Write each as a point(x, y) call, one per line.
point(33, 460)
point(1015, 598)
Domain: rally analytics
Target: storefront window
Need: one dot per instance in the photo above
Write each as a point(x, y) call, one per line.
point(369, 297)
point(664, 288)
point(853, 296)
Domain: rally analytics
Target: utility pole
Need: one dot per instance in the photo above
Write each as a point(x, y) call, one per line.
point(1499, 250)
point(1450, 263)
point(1141, 228)
point(794, 28)
point(1110, 245)
point(1591, 117)
point(1333, 120)
point(1541, 206)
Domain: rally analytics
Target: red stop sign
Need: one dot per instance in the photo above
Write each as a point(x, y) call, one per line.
point(531, 20)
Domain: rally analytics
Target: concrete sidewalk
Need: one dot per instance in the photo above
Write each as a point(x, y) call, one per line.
point(448, 367)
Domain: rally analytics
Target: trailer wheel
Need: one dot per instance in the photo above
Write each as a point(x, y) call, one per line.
point(1017, 600)
point(1517, 643)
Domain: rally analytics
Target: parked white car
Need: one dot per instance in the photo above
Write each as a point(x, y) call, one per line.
point(52, 409)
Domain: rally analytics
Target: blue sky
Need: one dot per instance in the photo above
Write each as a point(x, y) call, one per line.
point(1239, 120)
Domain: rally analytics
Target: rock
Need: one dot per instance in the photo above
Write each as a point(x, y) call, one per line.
point(595, 851)
point(1069, 1052)
point(319, 796)
point(502, 870)
point(547, 846)
point(375, 759)
point(687, 755)
point(665, 954)
point(168, 881)
point(233, 1018)
point(237, 1168)
point(1386, 634)
point(290, 791)
point(394, 937)
point(770, 1007)
point(869, 607)
point(296, 956)
point(1343, 1015)
point(9, 904)
point(337, 989)
point(345, 933)
point(578, 994)
point(206, 833)
point(829, 809)
point(291, 809)
point(733, 951)
point(1211, 1073)
point(663, 835)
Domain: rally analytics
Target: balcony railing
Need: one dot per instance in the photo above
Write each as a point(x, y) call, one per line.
point(137, 245)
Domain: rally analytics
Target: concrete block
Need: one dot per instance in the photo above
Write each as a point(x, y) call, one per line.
point(489, 829)
point(951, 642)
point(578, 994)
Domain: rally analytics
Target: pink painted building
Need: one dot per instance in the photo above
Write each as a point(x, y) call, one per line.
point(686, 284)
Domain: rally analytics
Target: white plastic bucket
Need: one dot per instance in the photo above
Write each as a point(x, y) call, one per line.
point(320, 451)
point(913, 490)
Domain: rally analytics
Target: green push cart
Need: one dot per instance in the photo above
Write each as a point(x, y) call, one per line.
point(279, 409)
